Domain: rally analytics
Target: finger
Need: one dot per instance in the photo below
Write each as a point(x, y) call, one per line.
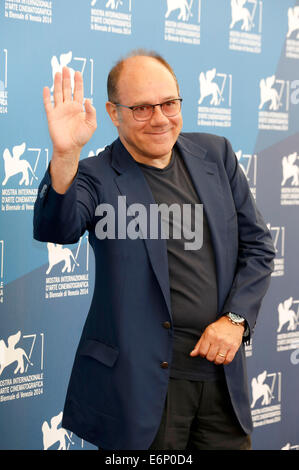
point(90, 115)
point(58, 98)
point(47, 100)
point(212, 353)
point(78, 88)
point(66, 84)
point(220, 357)
point(201, 348)
point(229, 356)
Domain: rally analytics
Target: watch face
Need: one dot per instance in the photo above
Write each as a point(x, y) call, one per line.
point(236, 318)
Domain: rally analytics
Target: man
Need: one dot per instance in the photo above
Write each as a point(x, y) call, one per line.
point(161, 362)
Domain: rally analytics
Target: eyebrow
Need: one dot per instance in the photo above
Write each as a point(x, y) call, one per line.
point(169, 98)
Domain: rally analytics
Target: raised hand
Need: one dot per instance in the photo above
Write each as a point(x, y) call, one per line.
point(71, 125)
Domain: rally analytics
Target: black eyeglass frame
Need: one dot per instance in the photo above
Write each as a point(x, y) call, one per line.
point(132, 108)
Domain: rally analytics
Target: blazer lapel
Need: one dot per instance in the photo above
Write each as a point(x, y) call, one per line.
point(132, 184)
point(206, 180)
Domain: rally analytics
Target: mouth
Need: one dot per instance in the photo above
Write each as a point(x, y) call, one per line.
point(159, 133)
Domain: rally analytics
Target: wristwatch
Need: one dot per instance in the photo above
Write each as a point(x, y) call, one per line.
point(235, 319)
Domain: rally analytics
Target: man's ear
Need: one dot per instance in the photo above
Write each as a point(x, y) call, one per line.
point(113, 113)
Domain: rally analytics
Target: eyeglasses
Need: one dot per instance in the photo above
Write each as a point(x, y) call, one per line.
point(144, 112)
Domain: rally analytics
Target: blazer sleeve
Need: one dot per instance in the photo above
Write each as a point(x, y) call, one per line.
point(255, 248)
point(63, 218)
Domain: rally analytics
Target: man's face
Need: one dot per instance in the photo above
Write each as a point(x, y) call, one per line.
point(144, 80)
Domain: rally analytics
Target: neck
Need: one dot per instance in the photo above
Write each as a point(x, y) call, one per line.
point(160, 161)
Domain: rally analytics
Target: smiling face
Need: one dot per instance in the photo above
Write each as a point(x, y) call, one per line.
point(144, 80)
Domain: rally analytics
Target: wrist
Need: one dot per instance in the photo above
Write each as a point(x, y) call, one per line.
point(237, 321)
point(62, 173)
point(66, 157)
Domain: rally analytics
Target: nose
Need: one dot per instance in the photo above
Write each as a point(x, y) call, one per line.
point(158, 118)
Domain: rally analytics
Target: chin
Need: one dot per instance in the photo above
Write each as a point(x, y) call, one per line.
point(161, 148)
point(159, 152)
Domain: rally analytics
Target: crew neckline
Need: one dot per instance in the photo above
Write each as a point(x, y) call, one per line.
point(161, 170)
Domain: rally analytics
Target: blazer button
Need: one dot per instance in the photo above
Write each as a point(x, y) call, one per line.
point(166, 324)
point(164, 365)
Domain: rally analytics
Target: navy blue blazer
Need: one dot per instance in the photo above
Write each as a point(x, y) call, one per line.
point(117, 387)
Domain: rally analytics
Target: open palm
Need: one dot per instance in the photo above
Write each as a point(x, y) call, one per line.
point(70, 125)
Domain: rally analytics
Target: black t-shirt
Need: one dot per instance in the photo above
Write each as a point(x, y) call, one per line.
point(192, 273)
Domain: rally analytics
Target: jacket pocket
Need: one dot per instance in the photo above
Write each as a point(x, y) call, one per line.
point(100, 351)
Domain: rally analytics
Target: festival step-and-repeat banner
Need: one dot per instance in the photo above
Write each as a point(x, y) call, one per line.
point(237, 62)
